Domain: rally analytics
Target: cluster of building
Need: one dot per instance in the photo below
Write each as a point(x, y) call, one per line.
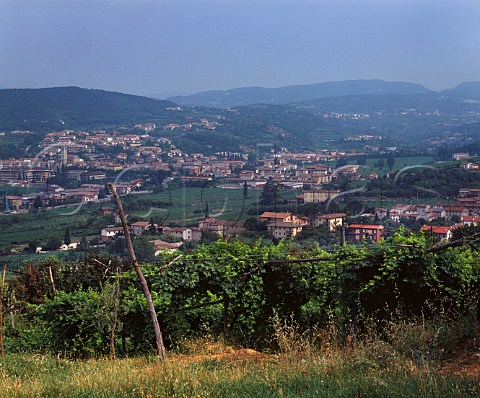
point(51, 195)
point(222, 228)
point(279, 224)
point(88, 159)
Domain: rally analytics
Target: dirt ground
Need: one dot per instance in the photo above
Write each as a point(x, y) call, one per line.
point(462, 364)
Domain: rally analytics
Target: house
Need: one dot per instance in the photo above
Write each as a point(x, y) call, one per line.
point(282, 217)
point(469, 166)
point(330, 221)
point(368, 232)
point(314, 179)
point(162, 246)
point(74, 175)
point(460, 155)
point(123, 188)
point(139, 227)
point(459, 211)
point(83, 196)
point(7, 175)
point(71, 246)
point(318, 195)
point(14, 202)
point(283, 229)
point(438, 231)
point(108, 233)
point(225, 229)
point(468, 192)
point(37, 175)
point(381, 212)
point(137, 183)
point(107, 210)
point(92, 176)
point(469, 221)
point(255, 184)
point(184, 233)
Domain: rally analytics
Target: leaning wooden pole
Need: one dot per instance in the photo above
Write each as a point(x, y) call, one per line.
point(143, 281)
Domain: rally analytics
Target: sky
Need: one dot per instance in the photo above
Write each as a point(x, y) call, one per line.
point(169, 47)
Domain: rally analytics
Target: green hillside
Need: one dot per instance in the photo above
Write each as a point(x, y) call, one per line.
point(400, 112)
point(72, 107)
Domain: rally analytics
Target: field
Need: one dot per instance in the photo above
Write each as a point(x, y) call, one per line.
point(400, 162)
point(219, 371)
point(18, 229)
point(16, 190)
point(188, 204)
point(186, 208)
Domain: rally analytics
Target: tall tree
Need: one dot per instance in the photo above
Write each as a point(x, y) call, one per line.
point(153, 227)
point(390, 163)
point(207, 212)
point(380, 163)
point(269, 193)
point(83, 244)
point(67, 239)
point(38, 202)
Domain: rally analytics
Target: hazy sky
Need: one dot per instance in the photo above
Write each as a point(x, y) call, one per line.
point(184, 46)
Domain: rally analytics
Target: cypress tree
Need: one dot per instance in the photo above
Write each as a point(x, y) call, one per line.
point(207, 212)
point(67, 239)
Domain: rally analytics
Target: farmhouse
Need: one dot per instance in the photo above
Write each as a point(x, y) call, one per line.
point(368, 232)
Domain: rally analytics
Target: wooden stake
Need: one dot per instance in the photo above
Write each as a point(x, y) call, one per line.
point(52, 282)
point(2, 291)
point(143, 281)
point(115, 316)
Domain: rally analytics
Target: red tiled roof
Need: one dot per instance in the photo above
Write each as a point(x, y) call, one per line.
point(366, 226)
point(331, 216)
point(140, 224)
point(436, 229)
point(269, 214)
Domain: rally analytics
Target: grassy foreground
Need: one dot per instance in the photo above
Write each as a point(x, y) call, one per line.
point(224, 372)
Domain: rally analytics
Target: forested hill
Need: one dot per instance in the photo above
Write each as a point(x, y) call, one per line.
point(285, 95)
point(73, 107)
point(471, 89)
point(448, 102)
point(309, 124)
point(253, 125)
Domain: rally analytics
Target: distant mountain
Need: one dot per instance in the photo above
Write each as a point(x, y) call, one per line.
point(401, 112)
point(73, 107)
point(471, 89)
point(285, 95)
point(447, 102)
